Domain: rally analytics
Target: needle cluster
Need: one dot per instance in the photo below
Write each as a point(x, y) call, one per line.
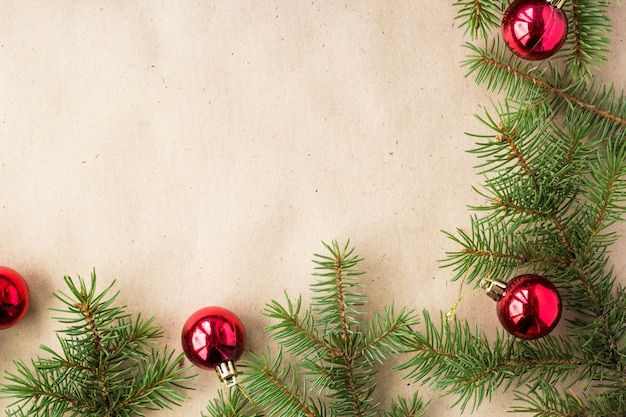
point(328, 353)
point(553, 161)
point(107, 363)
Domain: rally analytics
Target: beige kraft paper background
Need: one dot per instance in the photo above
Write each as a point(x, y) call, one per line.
point(199, 152)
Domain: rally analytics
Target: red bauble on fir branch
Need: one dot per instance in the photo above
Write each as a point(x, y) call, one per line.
point(534, 29)
point(214, 338)
point(14, 297)
point(529, 306)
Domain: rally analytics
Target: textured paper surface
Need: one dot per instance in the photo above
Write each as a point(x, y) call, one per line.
point(198, 152)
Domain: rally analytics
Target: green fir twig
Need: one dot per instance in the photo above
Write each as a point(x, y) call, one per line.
point(553, 162)
point(328, 353)
point(108, 364)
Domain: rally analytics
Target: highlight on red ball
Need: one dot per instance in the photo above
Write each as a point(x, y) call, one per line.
point(214, 338)
point(14, 297)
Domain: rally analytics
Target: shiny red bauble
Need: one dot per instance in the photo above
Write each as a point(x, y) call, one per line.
point(212, 336)
point(534, 29)
point(14, 297)
point(530, 307)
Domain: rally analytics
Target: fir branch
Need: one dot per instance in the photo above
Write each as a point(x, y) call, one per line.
point(108, 365)
point(352, 387)
point(400, 407)
point(479, 17)
point(485, 253)
point(154, 384)
point(338, 300)
point(605, 189)
point(232, 403)
point(37, 390)
point(588, 40)
point(297, 334)
point(600, 200)
point(554, 165)
point(601, 321)
point(459, 361)
point(588, 285)
point(524, 145)
point(555, 185)
point(550, 402)
point(388, 334)
point(275, 388)
point(533, 173)
point(335, 349)
point(523, 82)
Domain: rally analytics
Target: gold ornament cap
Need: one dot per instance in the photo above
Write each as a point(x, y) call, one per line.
point(227, 373)
point(494, 289)
point(557, 3)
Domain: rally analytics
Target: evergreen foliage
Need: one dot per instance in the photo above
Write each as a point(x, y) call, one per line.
point(108, 364)
point(587, 42)
point(326, 363)
point(552, 155)
point(553, 160)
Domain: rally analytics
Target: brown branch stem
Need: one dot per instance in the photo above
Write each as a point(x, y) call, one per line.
point(555, 91)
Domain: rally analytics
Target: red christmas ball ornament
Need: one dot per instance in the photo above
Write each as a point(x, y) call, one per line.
point(214, 338)
point(14, 297)
point(534, 29)
point(529, 306)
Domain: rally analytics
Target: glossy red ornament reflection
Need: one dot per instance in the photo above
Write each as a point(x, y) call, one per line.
point(534, 29)
point(214, 338)
point(530, 307)
point(14, 297)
